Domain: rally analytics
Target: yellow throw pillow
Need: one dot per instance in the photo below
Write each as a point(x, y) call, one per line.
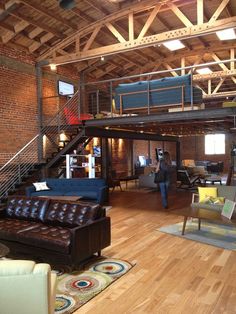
point(206, 192)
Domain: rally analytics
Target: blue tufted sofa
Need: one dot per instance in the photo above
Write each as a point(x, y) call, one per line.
point(162, 92)
point(89, 189)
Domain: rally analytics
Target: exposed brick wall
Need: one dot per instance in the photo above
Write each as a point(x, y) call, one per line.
point(18, 110)
point(120, 156)
point(18, 98)
point(194, 148)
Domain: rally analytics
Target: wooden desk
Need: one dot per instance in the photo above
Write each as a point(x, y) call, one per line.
point(204, 214)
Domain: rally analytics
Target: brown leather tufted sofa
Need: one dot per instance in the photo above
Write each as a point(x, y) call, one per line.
point(52, 231)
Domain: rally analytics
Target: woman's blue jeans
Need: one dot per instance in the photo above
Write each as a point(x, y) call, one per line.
point(164, 193)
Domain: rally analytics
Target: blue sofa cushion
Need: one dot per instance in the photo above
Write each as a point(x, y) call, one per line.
point(165, 91)
point(47, 193)
point(93, 189)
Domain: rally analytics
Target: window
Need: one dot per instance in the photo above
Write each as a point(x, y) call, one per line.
point(214, 144)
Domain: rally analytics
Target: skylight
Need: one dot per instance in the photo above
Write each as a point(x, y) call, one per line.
point(174, 44)
point(226, 34)
point(204, 71)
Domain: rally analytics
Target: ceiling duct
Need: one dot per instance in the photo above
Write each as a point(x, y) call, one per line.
point(67, 4)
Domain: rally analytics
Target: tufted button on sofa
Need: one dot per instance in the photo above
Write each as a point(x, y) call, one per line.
point(54, 231)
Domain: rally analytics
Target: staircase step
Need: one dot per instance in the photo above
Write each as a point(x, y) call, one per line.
point(12, 191)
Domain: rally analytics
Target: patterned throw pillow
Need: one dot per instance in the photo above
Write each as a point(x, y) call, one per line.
point(41, 186)
point(213, 200)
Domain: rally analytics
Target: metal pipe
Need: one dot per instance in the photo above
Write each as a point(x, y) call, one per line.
point(163, 71)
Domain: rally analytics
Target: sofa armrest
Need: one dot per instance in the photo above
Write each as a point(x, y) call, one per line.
point(90, 238)
point(102, 195)
point(29, 190)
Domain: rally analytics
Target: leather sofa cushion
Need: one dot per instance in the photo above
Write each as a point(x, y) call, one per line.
point(24, 208)
point(10, 228)
point(71, 214)
point(47, 237)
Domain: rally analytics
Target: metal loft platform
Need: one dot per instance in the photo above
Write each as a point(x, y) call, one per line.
point(174, 123)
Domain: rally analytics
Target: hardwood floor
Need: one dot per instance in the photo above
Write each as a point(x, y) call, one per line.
point(171, 275)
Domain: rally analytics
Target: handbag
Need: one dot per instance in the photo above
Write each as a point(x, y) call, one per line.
point(160, 176)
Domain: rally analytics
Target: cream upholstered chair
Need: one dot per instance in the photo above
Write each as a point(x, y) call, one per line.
point(26, 288)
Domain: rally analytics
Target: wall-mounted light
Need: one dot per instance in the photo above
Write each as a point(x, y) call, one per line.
point(62, 137)
point(102, 58)
point(53, 67)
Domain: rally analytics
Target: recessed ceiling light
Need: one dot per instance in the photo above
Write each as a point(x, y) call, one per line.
point(226, 34)
point(174, 45)
point(204, 71)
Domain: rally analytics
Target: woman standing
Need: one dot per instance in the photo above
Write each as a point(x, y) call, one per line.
point(164, 165)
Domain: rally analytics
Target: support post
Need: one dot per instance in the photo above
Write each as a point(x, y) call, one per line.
point(97, 100)
point(105, 158)
point(191, 88)
point(177, 155)
point(40, 110)
point(111, 98)
point(81, 104)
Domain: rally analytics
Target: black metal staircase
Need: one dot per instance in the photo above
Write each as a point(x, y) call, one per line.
point(29, 163)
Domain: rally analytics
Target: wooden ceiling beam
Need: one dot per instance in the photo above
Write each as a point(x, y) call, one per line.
point(17, 29)
point(48, 13)
point(179, 14)
point(218, 86)
point(217, 59)
point(200, 12)
point(149, 21)
point(183, 33)
point(115, 32)
point(219, 10)
point(91, 39)
point(138, 7)
point(29, 20)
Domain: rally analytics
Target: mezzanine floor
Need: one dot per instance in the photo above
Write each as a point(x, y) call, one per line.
point(172, 275)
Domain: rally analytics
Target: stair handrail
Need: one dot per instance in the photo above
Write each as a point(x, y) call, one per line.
point(16, 170)
point(18, 153)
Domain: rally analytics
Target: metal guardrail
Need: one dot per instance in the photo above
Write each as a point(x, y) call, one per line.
point(17, 167)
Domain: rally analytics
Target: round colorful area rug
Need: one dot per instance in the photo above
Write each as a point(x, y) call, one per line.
point(112, 267)
point(76, 288)
point(64, 303)
point(84, 283)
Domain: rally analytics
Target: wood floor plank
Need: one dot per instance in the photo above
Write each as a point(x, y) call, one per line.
point(171, 275)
